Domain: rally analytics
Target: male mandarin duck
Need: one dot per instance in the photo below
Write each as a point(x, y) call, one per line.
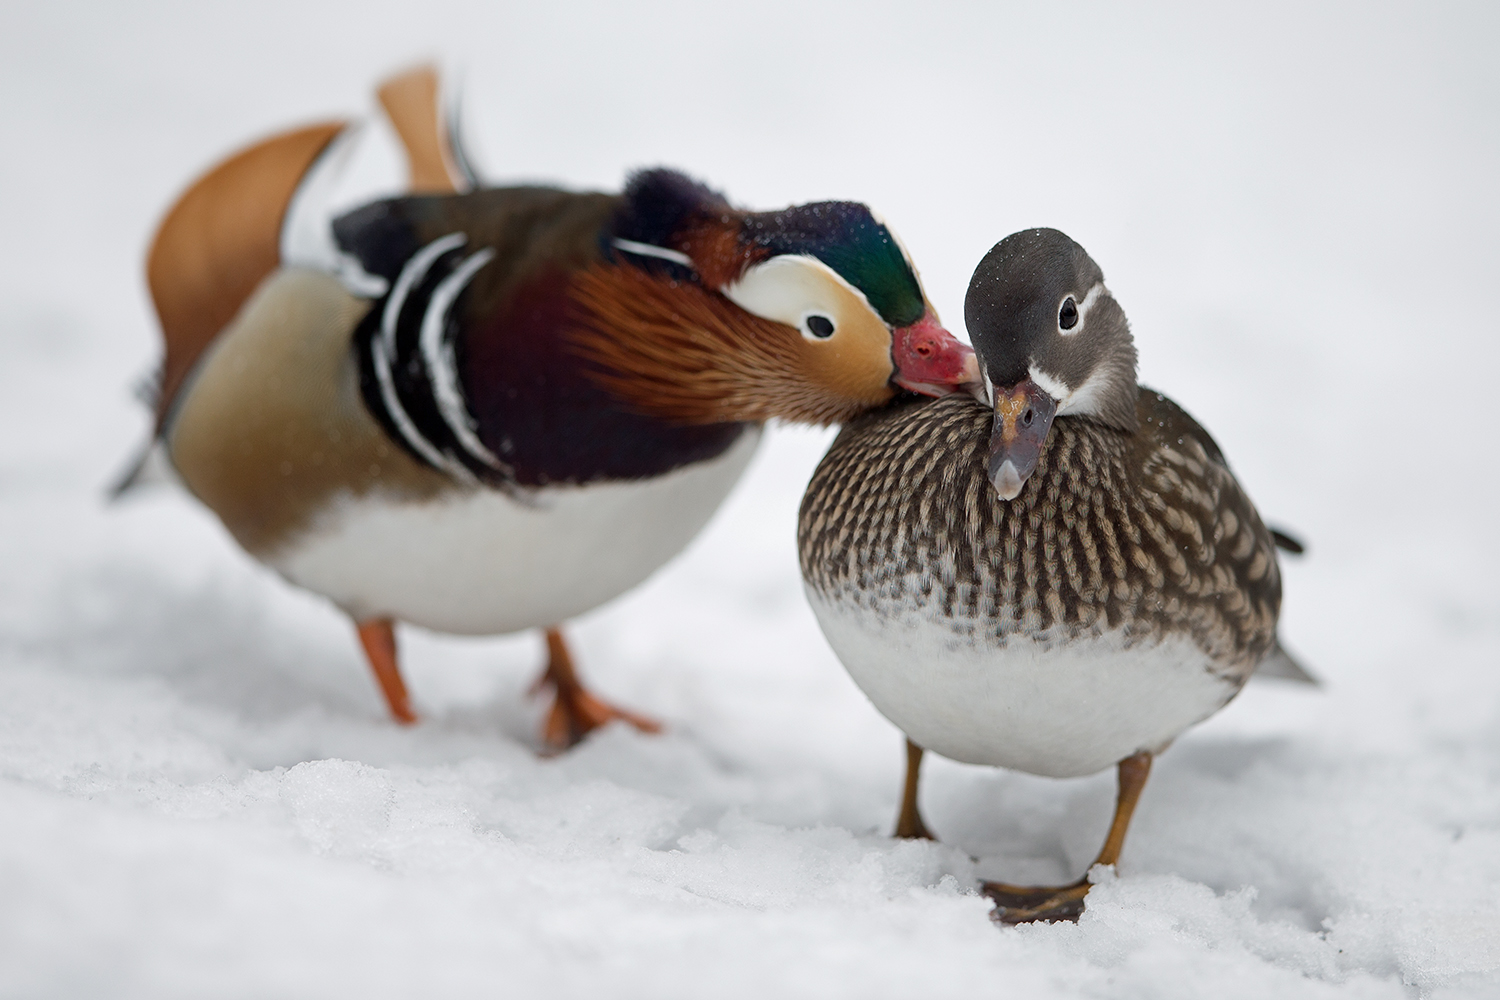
point(1059, 581)
point(481, 410)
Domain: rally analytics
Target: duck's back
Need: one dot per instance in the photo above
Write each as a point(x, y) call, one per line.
point(1124, 595)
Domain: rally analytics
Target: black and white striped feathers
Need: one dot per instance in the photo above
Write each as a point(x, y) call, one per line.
point(408, 361)
point(466, 358)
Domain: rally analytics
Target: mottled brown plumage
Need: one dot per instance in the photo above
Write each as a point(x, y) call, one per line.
point(1146, 533)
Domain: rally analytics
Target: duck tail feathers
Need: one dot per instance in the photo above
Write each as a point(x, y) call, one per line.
point(149, 467)
point(1279, 663)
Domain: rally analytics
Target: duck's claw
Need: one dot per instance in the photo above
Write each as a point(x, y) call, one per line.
point(575, 711)
point(1024, 904)
point(575, 714)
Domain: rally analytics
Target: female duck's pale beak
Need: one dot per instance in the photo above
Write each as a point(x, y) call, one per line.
point(930, 360)
point(1023, 416)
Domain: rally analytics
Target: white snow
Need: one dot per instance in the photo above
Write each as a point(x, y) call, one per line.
point(200, 795)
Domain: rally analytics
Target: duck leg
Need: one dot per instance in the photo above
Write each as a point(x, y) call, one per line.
point(909, 823)
point(378, 637)
point(575, 711)
point(1015, 904)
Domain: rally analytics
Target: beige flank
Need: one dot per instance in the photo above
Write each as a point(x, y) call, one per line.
point(271, 428)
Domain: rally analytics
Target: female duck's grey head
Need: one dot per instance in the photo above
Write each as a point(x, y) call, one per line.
point(1051, 342)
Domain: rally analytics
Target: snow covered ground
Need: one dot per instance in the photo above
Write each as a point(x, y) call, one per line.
point(200, 795)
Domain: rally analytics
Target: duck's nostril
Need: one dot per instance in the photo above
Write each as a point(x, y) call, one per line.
point(1028, 417)
point(929, 360)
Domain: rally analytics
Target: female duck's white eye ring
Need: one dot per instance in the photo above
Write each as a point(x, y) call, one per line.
point(817, 326)
point(1072, 314)
point(1067, 314)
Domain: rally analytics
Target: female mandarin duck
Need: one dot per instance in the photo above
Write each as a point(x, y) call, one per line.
point(1059, 581)
point(488, 410)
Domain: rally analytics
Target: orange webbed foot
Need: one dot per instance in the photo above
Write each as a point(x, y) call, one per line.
point(576, 711)
point(576, 714)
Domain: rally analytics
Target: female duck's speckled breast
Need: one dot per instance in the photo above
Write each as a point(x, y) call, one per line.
point(1124, 595)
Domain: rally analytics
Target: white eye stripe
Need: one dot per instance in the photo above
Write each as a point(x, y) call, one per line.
point(1083, 310)
point(1090, 299)
point(780, 289)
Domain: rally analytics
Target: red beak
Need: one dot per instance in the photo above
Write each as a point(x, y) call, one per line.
point(930, 360)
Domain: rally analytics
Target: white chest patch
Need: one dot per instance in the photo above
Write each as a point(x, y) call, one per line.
point(1045, 708)
point(480, 563)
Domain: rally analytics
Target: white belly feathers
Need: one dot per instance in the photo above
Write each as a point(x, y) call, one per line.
point(479, 562)
point(1021, 703)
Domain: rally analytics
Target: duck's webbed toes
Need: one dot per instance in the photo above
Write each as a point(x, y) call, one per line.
point(576, 712)
point(1024, 904)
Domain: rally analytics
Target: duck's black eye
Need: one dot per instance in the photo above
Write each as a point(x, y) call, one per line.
point(1067, 316)
point(819, 326)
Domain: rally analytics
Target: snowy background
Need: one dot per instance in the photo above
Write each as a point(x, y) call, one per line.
point(200, 793)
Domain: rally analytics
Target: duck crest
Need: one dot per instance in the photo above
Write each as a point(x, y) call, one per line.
point(847, 237)
point(664, 209)
point(658, 203)
point(672, 225)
